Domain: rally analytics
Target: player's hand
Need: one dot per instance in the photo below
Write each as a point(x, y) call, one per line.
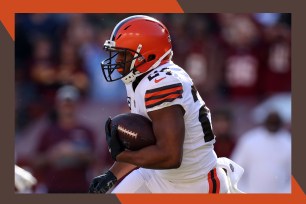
point(115, 147)
point(102, 183)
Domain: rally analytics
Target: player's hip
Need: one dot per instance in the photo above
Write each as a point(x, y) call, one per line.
point(193, 168)
point(214, 181)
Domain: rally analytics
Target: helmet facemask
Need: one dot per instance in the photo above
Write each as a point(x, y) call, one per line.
point(126, 68)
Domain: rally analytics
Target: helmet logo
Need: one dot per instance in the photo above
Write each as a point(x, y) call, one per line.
point(140, 59)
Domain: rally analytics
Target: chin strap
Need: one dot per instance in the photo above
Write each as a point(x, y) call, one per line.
point(135, 55)
point(132, 76)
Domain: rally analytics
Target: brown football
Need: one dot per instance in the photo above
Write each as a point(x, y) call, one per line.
point(134, 131)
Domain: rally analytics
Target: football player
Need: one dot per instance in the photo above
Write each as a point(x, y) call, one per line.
point(183, 159)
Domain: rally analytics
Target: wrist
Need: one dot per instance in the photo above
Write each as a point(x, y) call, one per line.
point(120, 169)
point(111, 176)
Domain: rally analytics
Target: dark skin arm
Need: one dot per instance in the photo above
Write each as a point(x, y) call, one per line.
point(169, 129)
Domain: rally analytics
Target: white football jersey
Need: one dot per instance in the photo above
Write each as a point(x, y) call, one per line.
point(169, 85)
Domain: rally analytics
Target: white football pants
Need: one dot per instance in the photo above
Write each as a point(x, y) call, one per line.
point(148, 181)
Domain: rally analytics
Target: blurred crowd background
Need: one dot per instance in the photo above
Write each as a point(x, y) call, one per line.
point(240, 64)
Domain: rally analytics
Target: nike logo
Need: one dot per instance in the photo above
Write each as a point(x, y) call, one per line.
point(158, 80)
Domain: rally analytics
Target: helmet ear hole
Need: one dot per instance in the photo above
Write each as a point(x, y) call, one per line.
point(151, 57)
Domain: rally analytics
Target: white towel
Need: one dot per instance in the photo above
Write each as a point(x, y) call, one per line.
point(233, 171)
point(24, 180)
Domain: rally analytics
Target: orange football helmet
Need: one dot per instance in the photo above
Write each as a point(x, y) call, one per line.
point(146, 38)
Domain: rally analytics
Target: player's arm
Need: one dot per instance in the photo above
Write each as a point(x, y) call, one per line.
point(169, 129)
point(120, 169)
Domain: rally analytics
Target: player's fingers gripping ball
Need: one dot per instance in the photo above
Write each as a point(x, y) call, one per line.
point(115, 146)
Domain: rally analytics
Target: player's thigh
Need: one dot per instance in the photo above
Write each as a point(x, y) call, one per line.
point(132, 183)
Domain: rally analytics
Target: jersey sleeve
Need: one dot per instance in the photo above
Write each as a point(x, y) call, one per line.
point(163, 92)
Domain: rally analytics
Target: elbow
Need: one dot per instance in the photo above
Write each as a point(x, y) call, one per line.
point(176, 164)
point(175, 161)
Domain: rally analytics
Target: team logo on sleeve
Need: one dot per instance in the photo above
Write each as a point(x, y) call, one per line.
point(154, 97)
point(129, 101)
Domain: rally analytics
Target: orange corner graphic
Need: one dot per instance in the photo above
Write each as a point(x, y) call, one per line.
point(7, 17)
point(8, 8)
point(296, 197)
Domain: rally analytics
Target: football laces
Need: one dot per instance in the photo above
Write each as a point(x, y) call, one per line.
point(126, 131)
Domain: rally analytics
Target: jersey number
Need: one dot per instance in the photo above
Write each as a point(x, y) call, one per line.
point(203, 117)
point(156, 73)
